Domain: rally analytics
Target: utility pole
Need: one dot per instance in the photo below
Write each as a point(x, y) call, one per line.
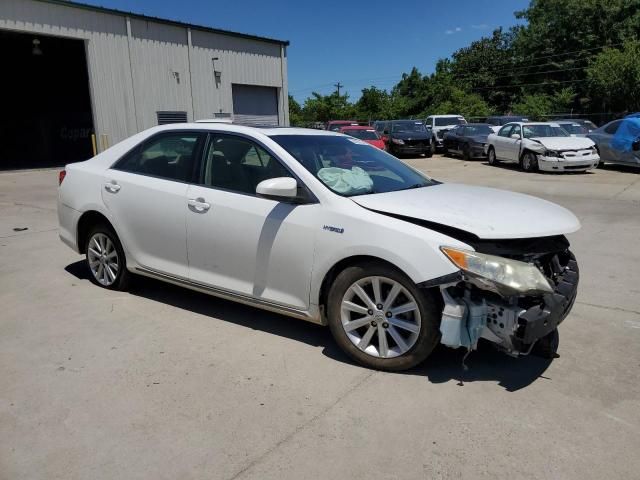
point(338, 86)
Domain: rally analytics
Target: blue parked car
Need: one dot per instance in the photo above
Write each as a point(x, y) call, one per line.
point(619, 152)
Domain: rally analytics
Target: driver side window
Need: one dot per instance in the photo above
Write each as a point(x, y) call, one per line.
point(505, 131)
point(237, 164)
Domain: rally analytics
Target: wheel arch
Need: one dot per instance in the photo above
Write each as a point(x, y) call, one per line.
point(87, 220)
point(341, 265)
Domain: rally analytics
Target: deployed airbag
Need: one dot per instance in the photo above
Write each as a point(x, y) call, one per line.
point(347, 182)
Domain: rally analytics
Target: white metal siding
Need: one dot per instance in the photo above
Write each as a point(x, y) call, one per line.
point(131, 78)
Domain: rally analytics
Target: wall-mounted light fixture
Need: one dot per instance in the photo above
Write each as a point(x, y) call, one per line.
point(36, 50)
point(176, 76)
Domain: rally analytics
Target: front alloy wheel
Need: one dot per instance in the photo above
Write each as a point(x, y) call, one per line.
point(380, 318)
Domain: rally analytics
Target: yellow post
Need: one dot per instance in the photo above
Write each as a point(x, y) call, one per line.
point(93, 144)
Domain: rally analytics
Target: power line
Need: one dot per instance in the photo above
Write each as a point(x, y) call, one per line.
point(529, 84)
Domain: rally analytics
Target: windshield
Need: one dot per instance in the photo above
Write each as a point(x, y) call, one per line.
point(533, 131)
point(349, 166)
point(408, 127)
point(472, 130)
point(362, 134)
point(574, 128)
point(444, 121)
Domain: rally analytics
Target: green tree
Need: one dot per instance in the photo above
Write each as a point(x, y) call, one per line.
point(614, 76)
point(295, 112)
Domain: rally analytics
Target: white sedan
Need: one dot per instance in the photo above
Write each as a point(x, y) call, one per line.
point(541, 146)
point(324, 227)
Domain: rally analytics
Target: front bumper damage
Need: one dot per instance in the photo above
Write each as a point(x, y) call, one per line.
point(474, 309)
point(568, 163)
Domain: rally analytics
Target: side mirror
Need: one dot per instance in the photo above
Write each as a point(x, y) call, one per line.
point(386, 132)
point(635, 146)
point(515, 136)
point(279, 188)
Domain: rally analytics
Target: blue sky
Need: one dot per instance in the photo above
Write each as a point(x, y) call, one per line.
point(358, 43)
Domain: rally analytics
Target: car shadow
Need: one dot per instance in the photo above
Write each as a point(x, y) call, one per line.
point(516, 168)
point(614, 167)
point(444, 365)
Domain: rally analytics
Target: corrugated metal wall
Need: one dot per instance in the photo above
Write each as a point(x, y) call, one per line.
point(138, 67)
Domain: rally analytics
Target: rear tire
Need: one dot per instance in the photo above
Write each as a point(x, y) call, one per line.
point(105, 259)
point(491, 156)
point(380, 330)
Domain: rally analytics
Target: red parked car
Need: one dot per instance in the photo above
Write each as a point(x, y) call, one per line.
point(368, 134)
point(336, 125)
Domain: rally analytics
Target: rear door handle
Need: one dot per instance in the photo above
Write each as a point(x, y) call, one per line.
point(198, 205)
point(112, 187)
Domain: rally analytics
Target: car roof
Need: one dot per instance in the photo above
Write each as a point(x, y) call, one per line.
point(449, 116)
point(357, 127)
point(235, 128)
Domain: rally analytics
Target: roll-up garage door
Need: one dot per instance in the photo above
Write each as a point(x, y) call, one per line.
point(253, 105)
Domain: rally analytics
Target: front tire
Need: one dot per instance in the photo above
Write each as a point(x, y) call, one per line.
point(105, 259)
point(529, 162)
point(381, 319)
point(466, 152)
point(547, 346)
point(433, 146)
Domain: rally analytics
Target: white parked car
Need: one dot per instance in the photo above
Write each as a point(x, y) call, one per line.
point(541, 146)
point(324, 227)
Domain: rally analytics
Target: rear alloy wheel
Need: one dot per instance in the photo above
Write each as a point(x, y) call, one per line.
point(381, 319)
point(491, 156)
point(105, 259)
point(529, 162)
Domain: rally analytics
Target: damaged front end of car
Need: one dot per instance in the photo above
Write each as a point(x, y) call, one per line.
point(512, 293)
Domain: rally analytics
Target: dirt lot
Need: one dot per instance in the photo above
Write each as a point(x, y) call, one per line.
point(164, 383)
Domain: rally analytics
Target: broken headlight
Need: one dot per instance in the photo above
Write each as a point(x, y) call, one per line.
point(551, 153)
point(519, 276)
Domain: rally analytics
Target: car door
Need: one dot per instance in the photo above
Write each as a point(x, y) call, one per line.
point(512, 145)
point(240, 242)
point(605, 135)
point(500, 141)
point(146, 192)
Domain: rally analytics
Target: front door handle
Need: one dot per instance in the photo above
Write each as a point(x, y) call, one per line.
point(112, 187)
point(198, 205)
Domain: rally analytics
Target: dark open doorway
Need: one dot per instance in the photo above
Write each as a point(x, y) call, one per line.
point(46, 107)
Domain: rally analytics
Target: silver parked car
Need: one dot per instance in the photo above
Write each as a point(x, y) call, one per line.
point(602, 138)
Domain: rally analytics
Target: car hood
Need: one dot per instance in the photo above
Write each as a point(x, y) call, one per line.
point(564, 143)
point(488, 213)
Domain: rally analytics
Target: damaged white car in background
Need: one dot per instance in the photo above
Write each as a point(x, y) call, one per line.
point(326, 228)
point(541, 146)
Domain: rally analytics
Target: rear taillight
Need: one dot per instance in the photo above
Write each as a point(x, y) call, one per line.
point(61, 175)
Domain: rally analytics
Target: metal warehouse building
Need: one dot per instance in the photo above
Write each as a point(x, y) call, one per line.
point(74, 73)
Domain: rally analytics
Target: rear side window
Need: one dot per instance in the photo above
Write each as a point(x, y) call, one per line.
point(171, 156)
point(238, 164)
point(613, 127)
